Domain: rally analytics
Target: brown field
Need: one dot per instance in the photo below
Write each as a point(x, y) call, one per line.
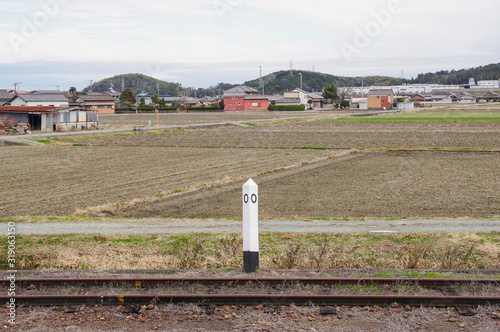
point(384, 185)
point(60, 180)
point(482, 135)
point(174, 119)
point(198, 173)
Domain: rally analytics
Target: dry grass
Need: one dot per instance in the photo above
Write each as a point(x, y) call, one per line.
point(277, 251)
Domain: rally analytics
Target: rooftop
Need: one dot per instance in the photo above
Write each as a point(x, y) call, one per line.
point(42, 97)
point(380, 92)
point(28, 109)
point(87, 98)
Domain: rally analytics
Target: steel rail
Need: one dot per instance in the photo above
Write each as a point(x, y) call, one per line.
point(151, 282)
point(266, 299)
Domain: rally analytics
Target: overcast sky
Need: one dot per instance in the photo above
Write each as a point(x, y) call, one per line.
point(198, 43)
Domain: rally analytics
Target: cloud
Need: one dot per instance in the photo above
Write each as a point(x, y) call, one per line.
point(195, 41)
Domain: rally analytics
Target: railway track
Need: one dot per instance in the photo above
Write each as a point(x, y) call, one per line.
point(449, 297)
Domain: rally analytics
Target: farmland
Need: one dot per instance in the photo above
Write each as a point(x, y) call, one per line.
point(327, 168)
point(175, 119)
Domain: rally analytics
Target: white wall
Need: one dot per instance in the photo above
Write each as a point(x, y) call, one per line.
point(19, 102)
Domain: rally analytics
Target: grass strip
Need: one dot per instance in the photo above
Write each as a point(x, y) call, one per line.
point(414, 119)
point(277, 251)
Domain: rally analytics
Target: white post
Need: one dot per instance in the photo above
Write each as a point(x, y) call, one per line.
point(250, 226)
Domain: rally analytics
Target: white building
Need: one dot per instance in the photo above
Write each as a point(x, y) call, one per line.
point(47, 100)
point(303, 95)
point(489, 84)
point(406, 88)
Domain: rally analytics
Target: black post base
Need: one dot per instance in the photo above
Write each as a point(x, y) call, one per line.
point(250, 261)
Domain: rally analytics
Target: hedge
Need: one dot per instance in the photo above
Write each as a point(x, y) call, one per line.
point(206, 108)
point(287, 108)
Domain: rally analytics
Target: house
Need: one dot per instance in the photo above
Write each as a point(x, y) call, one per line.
point(443, 97)
point(48, 118)
point(102, 104)
point(244, 98)
point(45, 100)
point(303, 95)
point(5, 97)
point(274, 98)
point(466, 98)
point(289, 98)
point(421, 97)
point(490, 96)
point(380, 98)
point(317, 100)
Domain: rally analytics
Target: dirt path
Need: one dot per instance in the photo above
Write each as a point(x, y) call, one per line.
point(202, 226)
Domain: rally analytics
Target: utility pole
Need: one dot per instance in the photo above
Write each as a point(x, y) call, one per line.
point(291, 68)
point(15, 86)
point(157, 88)
point(123, 84)
point(261, 82)
point(300, 74)
point(91, 86)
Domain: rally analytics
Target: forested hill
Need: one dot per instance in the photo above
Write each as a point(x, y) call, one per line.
point(141, 83)
point(280, 81)
point(489, 72)
point(138, 82)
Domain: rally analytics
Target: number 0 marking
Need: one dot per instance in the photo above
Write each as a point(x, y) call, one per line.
point(254, 198)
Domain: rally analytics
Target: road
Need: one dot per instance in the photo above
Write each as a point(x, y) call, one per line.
point(197, 226)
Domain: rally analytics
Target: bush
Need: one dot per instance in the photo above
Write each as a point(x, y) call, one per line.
point(286, 108)
point(345, 104)
point(203, 108)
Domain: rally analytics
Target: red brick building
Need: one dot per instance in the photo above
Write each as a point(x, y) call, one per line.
point(380, 99)
point(244, 98)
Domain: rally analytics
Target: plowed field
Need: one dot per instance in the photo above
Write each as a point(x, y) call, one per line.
point(483, 135)
point(59, 180)
point(388, 184)
point(198, 173)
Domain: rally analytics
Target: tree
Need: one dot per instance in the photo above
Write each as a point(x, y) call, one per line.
point(310, 101)
point(73, 91)
point(221, 104)
point(155, 99)
point(127, 97)
point(343, 93)
point(142, 102)
point(162, 103)
point(330, 92)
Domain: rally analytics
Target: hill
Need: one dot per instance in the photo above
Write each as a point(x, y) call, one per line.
point(146, 84)
point(489, 72)
point(313, 81)
point(138, 83)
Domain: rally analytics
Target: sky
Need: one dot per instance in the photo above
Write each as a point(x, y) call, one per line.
point(49, 44)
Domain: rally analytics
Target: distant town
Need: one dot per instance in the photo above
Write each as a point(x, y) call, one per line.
point(55, 110)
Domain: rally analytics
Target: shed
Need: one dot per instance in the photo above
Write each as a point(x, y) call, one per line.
point(48, 119)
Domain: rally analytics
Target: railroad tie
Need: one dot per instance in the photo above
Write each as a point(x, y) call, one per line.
point(464, 310)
